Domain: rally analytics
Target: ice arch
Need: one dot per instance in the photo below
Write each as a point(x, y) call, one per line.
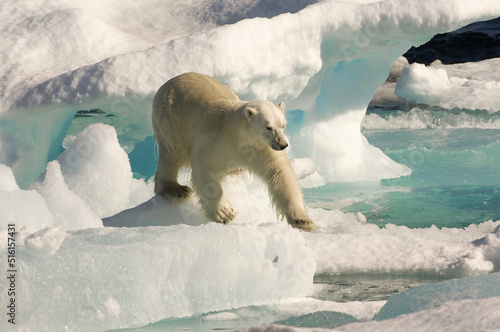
point(326, 60)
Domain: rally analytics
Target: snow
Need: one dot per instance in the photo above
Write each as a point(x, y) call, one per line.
point(466, 315)
point(431, 295)
point(324, 60)
point(467, 304)
point(108, 278)
point(102, 262)
point(348, 245)
point(469, 85)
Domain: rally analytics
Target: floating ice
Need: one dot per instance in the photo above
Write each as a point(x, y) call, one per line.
point(485, 256)
point(453, 314)
point(420, 80)
point(469, 86)
point(108, 278)
point(28, 141)
point(418, 118)
point(325, 60)
point(465, 315)
point(431, 295)
point(350, 246)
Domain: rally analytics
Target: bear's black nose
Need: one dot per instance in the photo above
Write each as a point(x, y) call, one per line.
point(283, 147)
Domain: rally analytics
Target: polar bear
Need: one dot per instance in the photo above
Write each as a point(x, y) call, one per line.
point(199, 122)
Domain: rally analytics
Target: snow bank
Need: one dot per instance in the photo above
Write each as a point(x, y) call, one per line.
point(108, 278)
point(350, 246)
point(470, 85)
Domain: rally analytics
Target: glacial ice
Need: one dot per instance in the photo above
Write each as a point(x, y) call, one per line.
point(107, 278)
point(325, 61)
point(470, 86)
point(466, 304)
point(431, 295)
point(459, 316)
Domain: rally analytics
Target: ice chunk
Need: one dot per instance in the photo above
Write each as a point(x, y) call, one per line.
point(469, 85)
point(486, 255)
point(29, 140)
point(7, 179)
point(108, 278)
point(70, 210)
point(98, 170)
point(306, 173)
point(45, 242)
point(25, 208)
point(431, 295)
point(418, 80)
point(459, 316)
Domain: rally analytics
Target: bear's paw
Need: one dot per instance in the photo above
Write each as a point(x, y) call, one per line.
point(224, 213)
point(301, 221)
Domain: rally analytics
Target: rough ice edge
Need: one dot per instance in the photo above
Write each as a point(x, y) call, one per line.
point(120, 278)
point(465, 315)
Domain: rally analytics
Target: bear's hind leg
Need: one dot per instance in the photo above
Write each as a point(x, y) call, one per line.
point(166, 184)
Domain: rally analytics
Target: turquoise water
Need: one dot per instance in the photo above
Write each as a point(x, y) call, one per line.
point(454, 180)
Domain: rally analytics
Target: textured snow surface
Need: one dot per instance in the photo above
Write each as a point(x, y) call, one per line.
point(325, 61)
point(108, 278)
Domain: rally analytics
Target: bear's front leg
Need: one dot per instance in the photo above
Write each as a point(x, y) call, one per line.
point(298, 218)
point(214, 204)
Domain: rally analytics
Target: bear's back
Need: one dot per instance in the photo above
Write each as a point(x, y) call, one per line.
point(192, 91)
point(191, 105)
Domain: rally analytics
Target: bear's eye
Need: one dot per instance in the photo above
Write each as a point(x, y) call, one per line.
point(269, 128)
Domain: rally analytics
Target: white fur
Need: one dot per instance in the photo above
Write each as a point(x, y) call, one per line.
point(201, 123)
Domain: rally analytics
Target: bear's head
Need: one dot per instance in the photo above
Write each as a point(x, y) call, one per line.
point(267, 122)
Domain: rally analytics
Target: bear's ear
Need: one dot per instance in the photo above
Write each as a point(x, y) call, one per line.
point(249, 112)
point(281, 106)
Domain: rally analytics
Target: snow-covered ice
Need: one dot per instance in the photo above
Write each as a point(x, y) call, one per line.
point(159, 264)
point(468, 304)
point(108, 278)
point(325, 61)
point(459, 316)
point(472, 85)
